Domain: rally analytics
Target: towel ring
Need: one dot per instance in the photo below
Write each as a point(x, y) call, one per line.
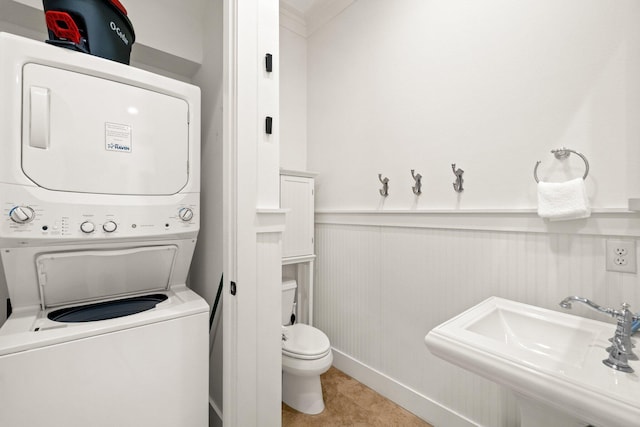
point(561, 154)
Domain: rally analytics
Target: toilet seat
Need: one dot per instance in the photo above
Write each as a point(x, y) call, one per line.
point(304, 342)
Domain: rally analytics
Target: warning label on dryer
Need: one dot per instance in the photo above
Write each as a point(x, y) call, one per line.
point(117, 137)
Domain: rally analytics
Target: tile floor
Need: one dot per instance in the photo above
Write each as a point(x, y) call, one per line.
point(350, 403)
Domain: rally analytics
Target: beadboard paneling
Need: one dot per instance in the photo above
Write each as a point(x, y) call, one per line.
point(380, 289)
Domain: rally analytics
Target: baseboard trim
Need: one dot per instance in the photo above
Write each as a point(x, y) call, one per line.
point(411, 400)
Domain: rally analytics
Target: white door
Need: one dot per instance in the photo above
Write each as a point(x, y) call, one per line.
point(252, 353)
point(296, 194)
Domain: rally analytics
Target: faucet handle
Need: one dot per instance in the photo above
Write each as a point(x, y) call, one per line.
point(622, 314)
point(618, 360)
point(634, 317)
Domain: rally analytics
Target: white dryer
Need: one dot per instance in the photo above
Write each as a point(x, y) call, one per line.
point(99, 192)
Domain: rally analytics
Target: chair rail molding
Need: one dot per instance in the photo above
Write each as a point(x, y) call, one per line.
point(617, 222)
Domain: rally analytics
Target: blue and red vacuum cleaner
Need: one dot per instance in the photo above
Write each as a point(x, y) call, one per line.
point(97, 27)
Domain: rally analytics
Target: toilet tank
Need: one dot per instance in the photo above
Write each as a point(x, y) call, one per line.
point(288, 297)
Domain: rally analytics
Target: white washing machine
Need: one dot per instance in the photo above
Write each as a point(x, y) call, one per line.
point(99, 192)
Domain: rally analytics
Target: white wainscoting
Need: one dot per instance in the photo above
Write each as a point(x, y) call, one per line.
point(381, 288)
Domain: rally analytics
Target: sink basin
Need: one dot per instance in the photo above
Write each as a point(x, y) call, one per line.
point(545, 357)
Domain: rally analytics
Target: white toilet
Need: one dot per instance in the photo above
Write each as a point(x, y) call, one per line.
point(306, 354)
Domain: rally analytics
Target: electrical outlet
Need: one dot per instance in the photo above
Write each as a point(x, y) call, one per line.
point(621, 256)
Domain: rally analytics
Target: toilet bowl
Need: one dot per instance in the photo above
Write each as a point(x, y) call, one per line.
point(306, 354)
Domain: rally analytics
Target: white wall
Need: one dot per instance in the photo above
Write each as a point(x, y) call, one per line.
point(492, 86)
point(293, 100)
point(179, 30)
point(207, 266)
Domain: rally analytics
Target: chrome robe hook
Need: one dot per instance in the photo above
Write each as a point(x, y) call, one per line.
point(417, 189)
point(458, 173)
point(384, 191)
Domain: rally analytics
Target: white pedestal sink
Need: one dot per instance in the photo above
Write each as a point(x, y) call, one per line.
point(552, 362)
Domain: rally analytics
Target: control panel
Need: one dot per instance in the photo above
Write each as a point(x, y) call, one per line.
point(28, 218)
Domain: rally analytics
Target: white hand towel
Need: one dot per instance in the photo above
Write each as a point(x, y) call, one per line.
point(560, 201)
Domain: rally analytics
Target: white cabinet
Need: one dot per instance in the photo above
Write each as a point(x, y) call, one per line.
point(296, 195)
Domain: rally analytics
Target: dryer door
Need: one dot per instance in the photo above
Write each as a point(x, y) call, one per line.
point(87, 134)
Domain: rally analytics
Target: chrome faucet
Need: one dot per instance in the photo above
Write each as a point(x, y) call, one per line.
point(621, 350)
point(566, 303)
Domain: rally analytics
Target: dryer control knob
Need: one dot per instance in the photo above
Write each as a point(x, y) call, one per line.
point(109, 226)
point(185, 214)
point(87, 227)
point(22, 214)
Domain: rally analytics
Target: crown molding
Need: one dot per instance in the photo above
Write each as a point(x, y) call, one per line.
point(292, 19)
point(305, 24)
point(323, 12)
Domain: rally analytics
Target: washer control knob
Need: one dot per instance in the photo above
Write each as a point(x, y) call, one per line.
point(185, 214)
point(109, 226)
point(22, 214)
point(87, 227)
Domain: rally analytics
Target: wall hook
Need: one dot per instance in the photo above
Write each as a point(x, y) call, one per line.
point(417, 189)
point(384, 191)
point(458, 173)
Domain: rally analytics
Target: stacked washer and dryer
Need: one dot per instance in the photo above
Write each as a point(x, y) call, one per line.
point(99, 188)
